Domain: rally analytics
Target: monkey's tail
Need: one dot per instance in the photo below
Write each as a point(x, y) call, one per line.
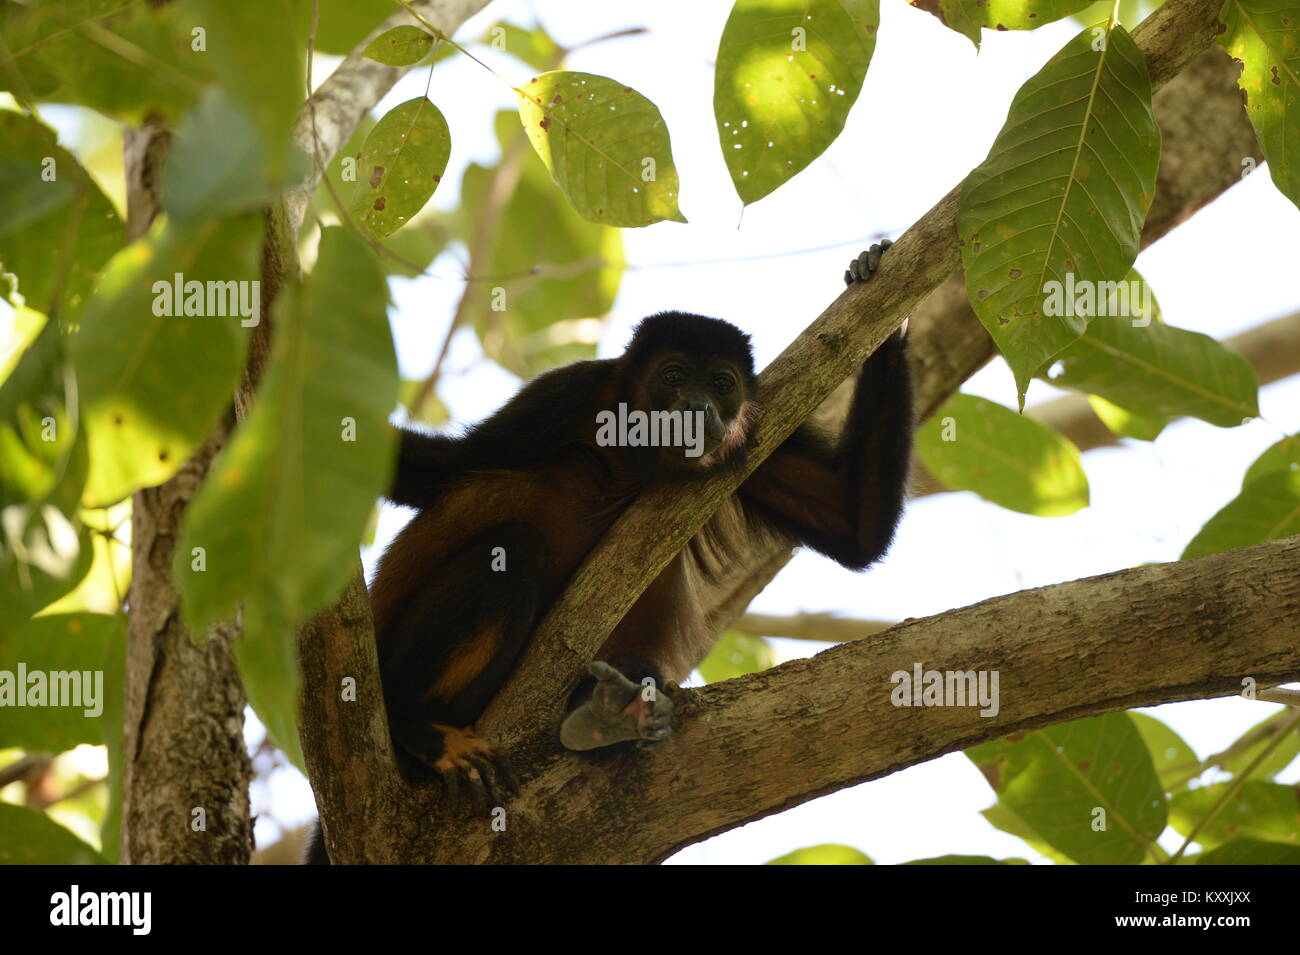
point(316, 854)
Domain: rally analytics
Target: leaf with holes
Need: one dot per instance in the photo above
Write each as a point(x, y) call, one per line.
point(160, 349)
point(606, 146)
point(1264, 35)
point(400, 46)
point(788, 73)
point(1268, 508)
point(1061, 197)
point(400, 166)
point(968, 18)
point(973, 444)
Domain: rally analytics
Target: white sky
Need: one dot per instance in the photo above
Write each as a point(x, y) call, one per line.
point(927, 114)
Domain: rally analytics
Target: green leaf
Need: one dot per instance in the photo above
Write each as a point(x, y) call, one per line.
point(345, 23)
point(399, 167)
point(1251, 852)
point(1059, 779)
point(1000, 816)
point(973, 444)
point(216, 162)
point(88, 652)
point(1282, 756)
point(535, 47)
point(966, 860)
point(1170, 755)
point(1258, 810)
point(1131, 12)
point(826, 854)
point(126, 60)
point(606, 146)
point(557, 274)
point(735, 655)
point(1264, 35)
point(967, 18)
point(156, 374)
point(280, 518)
point(1283, 456)
point(44, 549)
point(1159, 371)
point(1063, 193)
point(1266, 509)
point(788, 72)
point(28, 837)
point(1125, 424)
point(54, 235)
point(400, 46)
point(258, 58)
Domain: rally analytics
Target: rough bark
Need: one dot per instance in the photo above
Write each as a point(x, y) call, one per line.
point(184, 714)
point(756, 745)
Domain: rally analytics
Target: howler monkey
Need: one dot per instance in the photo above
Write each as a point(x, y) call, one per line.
point(509, 510)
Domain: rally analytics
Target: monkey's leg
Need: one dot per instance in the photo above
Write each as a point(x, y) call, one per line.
point(618, 708)
point(450, 651)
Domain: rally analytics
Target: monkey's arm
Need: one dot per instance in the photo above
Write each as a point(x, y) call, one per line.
point(552, 411)
point(844, 499)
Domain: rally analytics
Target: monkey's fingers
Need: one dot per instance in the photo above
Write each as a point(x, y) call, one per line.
point(474, 782)
point(491, 782)
point(451, 780)
point(508, 773)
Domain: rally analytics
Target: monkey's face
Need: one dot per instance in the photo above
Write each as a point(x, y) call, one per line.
point(698, 409)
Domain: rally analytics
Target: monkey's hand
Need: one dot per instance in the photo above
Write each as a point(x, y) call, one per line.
point(618, 710)
point(864, 266)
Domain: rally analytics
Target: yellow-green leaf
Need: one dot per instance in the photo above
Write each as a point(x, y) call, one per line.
point(400, 166)
point(1264, 35)
point(606, 146)
point(973, 444)
point(788, 73)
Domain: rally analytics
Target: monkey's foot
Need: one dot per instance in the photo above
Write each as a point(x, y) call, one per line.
point(619, 710)
point(473, 763)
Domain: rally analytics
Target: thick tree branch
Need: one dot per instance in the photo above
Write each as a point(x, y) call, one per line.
point(820, 627)
point(658, 524)
point(749, 747)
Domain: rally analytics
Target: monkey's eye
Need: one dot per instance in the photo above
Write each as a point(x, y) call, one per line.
point(723, 384)
point(673, 374)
